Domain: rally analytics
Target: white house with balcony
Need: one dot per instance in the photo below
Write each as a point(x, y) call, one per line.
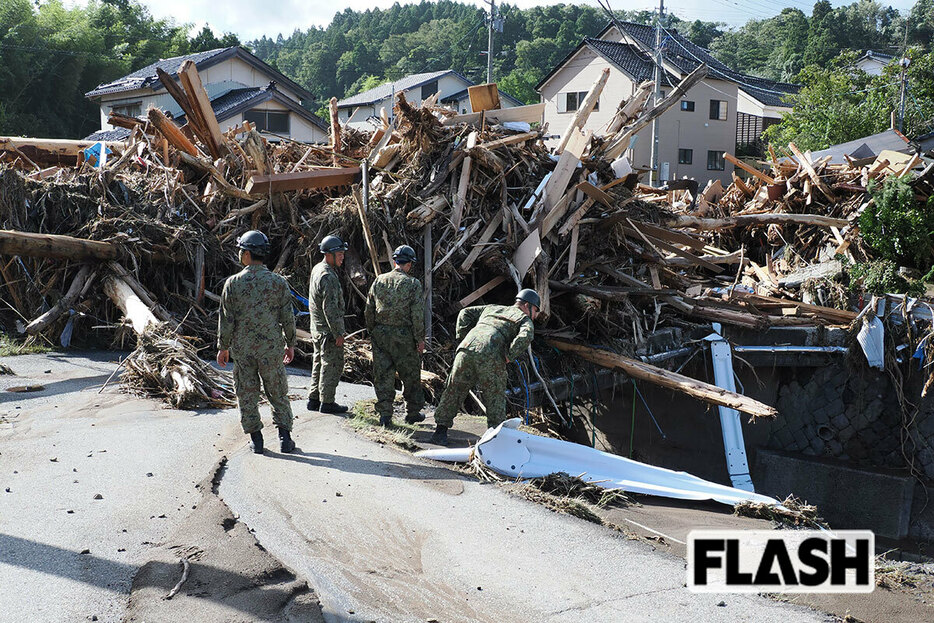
point(241, 88)
point(362, 110)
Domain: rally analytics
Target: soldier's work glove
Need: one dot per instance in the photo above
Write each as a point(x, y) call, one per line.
point(223, 356)
point(289, 355)
point(421, 347)
point(339, 341)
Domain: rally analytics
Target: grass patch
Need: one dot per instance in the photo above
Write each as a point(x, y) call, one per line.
point(365, 421)
point(10, 347)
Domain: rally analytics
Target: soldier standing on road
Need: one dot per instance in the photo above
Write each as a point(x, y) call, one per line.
point(395, 318)
point(491, 336)
point(326, 304)
point(256, 323)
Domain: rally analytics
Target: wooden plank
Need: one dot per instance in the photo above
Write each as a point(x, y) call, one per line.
point(566, 167)
point(191, 81)
point(429, 274)
point(739, 183)
point(595, 193)
point(171, 132)
point(748, 169)
point(699, 261)
point(470, 231)
point(806, 164)
point(526, 253)
point(528, 114)
point(483, 97)
point(464, 184)
point(181, 98)
point(572, 254)
point(510, 140)
point(55, 246)
point(583, 112)
point(575, 218)
point(671, 236)
point(473, 296)
point(839, 316)
point(367, 234)
point(323, 177)
point(665, 378)
point(478, 247)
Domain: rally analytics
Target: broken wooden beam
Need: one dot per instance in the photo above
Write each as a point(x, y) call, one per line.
point(480, 245)
point(53, 150)
point(463, 186)
point(335, 130)
point(584, 110)
point(665, 378)
point(78, 284)
point(324, 177)
point(172, 133)
point(746, 220)
point(201, 106)
point(476, 294)
point(768, 179)
point(55, 246)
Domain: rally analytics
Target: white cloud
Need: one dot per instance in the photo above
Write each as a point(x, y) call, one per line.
point(250, 19)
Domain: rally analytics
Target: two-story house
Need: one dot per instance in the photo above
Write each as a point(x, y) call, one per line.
point(723, 111)
point(358, 110)
point(240, 86)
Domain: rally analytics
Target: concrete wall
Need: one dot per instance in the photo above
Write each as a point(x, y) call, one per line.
point(678, 129)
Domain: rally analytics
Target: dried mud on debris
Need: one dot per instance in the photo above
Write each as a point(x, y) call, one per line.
point(145, 239)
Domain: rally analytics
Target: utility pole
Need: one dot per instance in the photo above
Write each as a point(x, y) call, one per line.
point(654, 173)
point(491, 25)
point(904, 62)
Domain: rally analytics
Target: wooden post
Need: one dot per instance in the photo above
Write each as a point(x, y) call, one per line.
point(464, 186)
point(665, 378)
point(201, 106)
point(335, 131)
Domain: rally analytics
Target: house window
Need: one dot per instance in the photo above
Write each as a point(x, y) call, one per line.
point(715, 161)
point(718, 110)
point(685, 156)
point(268, 120)
point(134, 109)
point(429, 89)
point(572, 100)
point(687, 105)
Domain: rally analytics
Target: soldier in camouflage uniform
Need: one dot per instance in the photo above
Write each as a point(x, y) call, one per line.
point(326, 304)
point(491, 336)
point(256, 324)
point(395, 318)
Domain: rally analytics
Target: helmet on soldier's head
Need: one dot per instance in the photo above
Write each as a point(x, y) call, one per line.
point(255, 242)
point(332, 244)
point(530, 296)
point(404, 254)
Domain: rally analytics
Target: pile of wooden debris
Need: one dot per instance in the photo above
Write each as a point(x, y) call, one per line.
point(148, 227)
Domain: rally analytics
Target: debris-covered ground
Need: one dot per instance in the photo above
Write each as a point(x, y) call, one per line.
point(146, 237)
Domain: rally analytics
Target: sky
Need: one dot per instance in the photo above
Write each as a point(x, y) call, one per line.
point(250, 19)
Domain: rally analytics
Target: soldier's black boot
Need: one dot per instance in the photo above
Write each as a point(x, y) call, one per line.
point(313, 404)
point(414, 418)
point(385, 420)
point(440, 436)
point(332, 407)
point(257, 442)
point(286, 444)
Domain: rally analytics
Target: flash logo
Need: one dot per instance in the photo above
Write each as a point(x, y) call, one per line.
point(792, 561)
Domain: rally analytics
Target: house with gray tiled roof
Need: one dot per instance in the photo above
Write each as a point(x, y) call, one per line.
point(725, 112)
point(240, 86)
point(358, 110)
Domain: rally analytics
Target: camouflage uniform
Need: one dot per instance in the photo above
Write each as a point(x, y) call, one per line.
point(490, 335)
point(256, 324)
point(395, 318)
point(326, 304)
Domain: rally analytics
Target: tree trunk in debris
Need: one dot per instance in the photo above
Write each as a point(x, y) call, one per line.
point(138, 313)
point(41, 323)
point(55, 246)
point(665, 378)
